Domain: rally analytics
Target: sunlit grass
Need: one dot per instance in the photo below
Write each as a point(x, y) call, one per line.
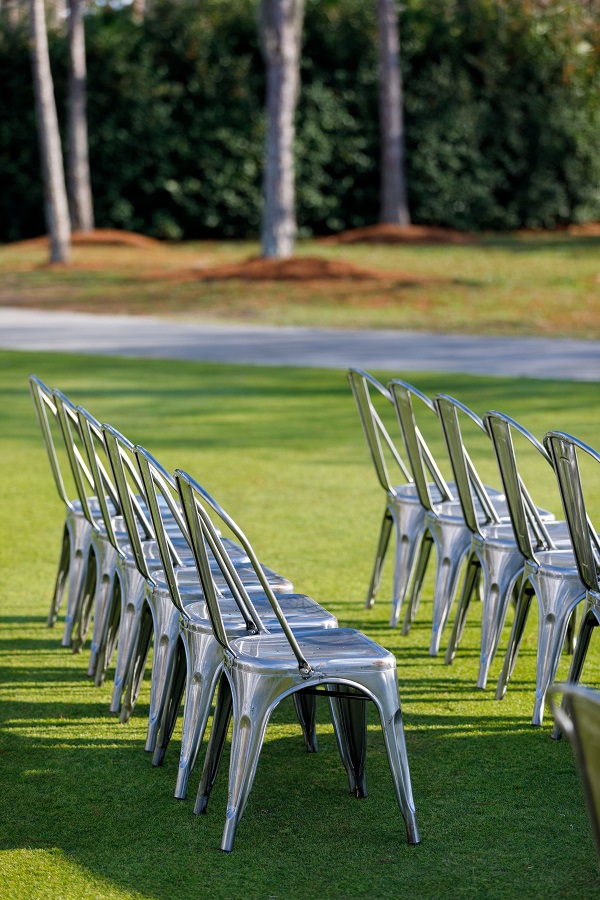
point(83, 813)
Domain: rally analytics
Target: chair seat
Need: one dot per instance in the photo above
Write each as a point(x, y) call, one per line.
point(329, 652)
point(300, 611)
point(504, 536)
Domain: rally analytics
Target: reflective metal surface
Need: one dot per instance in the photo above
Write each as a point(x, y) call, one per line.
point(549, 573)
point(263, 667)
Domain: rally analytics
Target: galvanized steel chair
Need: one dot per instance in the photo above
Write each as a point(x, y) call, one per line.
point(264, 667)
point(403, 511)
point(77, 528)
point(583, 730)
point(444, 520)
point(494, 551)
point(564, 450)
point(198, 666)
point(549, 572)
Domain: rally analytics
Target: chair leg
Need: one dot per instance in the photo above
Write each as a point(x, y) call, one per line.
point(571, 637)
point(132, 594)
point(216, 742)
point(417, 582)
point(382, 546)
point(409, 526)
point(395, 744)
point(90, 585)
point(204, 658)
point(452, 541)
point(588, 623)
point(172, 705)
point(501, 571)
point(166, 640)
point(82, 555)
point(252, 708)
point(470, 583)
point(353, 721)
point(61, 578)
point(306, 711)
point(109, 638)
point(132, 683)
point(514, 642)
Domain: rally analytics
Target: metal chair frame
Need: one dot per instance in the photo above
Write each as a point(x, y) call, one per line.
point(564, 450)
point(549, 573)
point(195, 664)
point(77, 530)
point(263, 668)
point(444, 520)
point(403, 512)
point(494, 551)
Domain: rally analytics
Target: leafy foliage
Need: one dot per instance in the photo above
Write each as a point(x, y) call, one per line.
point(502, 109)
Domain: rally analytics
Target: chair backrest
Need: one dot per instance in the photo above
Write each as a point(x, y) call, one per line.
point(583, 730)
point(129, 487)
point(158, 483)
point(84, 481)
point(422, 463)
point(204, 537)
point(469, 486)
point(45, 404)
point(563, 448)
point(530, 532)
point(376, 434)
point(97, 459)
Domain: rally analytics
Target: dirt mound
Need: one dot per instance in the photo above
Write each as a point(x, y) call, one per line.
point(299, 268)
point(589, 229)
point(400, 234)
point(99, 236)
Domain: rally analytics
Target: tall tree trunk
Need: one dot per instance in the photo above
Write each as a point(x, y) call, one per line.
point(280, 25)
point(78, 167)
point(394, 200)
point(53, 176)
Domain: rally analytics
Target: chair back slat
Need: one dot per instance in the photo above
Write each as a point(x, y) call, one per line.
point(93, 440)
point(563, 449)
point(376, 434)
point(524, 514)
point(69, 426)
point(422, 463)
point(202, 533)
point(129, 487)
point(44, 404)
point(469, 485)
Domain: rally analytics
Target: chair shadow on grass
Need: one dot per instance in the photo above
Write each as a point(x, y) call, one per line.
point(77, 780)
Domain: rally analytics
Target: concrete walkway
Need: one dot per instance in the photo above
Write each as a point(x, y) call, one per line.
point(402, 351)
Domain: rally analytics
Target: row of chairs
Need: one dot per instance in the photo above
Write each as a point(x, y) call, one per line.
point(509, 546)
point(142, 558)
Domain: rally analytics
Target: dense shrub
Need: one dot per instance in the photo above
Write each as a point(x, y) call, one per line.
point(502, 109)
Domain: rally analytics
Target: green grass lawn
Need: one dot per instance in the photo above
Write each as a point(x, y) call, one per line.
point(544, 284)
point(82, 812)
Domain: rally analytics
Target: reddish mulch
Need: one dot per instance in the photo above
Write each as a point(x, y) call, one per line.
point(99, 236)
point(400, 234)
point(298, 268)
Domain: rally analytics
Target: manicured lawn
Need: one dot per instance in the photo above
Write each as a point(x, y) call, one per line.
point(543, 284)
point(82, 812)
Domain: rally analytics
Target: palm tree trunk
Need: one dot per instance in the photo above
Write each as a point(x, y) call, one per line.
point(78, 167)
point(280, 25)
point(53, 176)
point(394, 200)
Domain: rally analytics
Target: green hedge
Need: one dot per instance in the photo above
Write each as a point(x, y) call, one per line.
point(502, 108)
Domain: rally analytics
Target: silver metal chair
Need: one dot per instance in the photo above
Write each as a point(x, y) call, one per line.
point(145, 609)
point(583, 730)
point(403, 511)
point(494, 551)
point(565, 450)
point(444, 520)
point(198, 666)
point(263, 667)
point(77, 528)
point(549, 572)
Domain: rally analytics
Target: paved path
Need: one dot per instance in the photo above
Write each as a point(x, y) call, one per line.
point(402, 351)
